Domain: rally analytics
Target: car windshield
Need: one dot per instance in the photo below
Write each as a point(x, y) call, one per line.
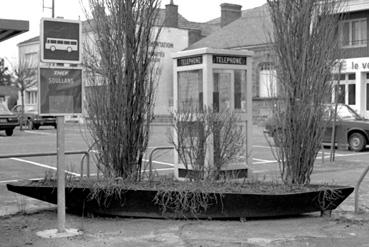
point(4, 109)
point(347, 113)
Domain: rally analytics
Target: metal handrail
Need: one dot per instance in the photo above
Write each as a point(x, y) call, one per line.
point(86, 154)
point(357, 189)
point(151, 154)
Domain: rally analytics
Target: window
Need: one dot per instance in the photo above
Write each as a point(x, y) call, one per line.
point(31, 59)
point(267, 81)
point(351, 94)
point(346, 93)
point(354, 33)
point(31, 97)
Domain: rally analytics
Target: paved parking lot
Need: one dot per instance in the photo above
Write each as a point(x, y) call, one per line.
point(345, 170)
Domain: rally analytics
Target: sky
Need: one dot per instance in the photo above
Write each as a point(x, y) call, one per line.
point(33, 11)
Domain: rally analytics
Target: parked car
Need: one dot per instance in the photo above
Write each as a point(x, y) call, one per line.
point(8, 120)
point(32, 118)
point(351, 129)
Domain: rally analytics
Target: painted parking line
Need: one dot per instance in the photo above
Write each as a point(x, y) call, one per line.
point(17, 180)
point(42, 165)
point(39, 132)
point(258, 146)
point(160, 162)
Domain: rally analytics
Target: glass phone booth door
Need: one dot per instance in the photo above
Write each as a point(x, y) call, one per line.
point(229, 90)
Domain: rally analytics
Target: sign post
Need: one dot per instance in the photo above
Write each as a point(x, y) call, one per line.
point(60, 141)
point(60, 94)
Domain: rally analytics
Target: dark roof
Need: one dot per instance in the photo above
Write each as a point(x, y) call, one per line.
point(37, 38)
point(252, 29)
point(183, 23)
point(11, 28)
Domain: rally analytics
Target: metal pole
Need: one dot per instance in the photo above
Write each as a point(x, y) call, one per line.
point(53, 9)
point(60, 173)
point(357, 187)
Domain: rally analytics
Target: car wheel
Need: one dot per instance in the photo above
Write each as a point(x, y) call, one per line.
point(30, 124)
point(9, 132)
point(357, 142)
point(36, 127)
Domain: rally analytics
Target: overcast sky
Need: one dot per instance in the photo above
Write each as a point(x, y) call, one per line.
point(32, 10)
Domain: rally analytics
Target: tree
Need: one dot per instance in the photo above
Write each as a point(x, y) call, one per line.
point(5, 75)
point(25, 77)
point(121, 73)
point(306, 47)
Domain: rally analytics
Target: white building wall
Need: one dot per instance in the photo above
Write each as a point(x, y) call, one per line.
point(360, 67)
point(29, 52)
point(170, 40)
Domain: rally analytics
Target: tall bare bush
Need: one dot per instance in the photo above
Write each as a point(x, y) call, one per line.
point(121, 73)
point(306, 45)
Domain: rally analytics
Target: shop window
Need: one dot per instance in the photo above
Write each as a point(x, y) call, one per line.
point(351, 94)
point(341, 77)
point(341, 94)
point(267, 81)
point(352, 76)
point(354, 33)
point(367, 98)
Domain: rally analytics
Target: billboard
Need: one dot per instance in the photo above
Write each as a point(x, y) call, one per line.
point(60, 41)
point(60, 91)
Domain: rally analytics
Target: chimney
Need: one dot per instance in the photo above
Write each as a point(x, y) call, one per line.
point(171, 15)
point(229, 13)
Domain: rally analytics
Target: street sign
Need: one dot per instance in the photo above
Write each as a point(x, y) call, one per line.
point(60, 91)
point(60, 40)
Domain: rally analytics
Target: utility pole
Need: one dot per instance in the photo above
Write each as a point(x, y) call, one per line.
point(48, 7)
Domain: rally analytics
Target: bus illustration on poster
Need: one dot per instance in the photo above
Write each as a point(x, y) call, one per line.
point(60, 41)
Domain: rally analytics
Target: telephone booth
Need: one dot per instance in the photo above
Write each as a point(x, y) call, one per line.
point(216, 78)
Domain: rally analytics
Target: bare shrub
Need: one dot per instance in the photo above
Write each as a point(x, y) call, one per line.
point(193, 127)
point(121, 72)
point(306, 47)
point(229, 138)
point(190, 138)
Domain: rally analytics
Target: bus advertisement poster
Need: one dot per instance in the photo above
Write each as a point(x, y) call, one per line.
point(60, 91)
point(60, 41)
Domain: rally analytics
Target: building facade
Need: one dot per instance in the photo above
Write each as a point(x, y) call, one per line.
point(354, 78)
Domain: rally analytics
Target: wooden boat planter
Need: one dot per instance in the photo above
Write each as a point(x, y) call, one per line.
point(146, 203)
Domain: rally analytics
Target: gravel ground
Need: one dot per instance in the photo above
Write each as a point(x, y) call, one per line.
point(341, 229)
